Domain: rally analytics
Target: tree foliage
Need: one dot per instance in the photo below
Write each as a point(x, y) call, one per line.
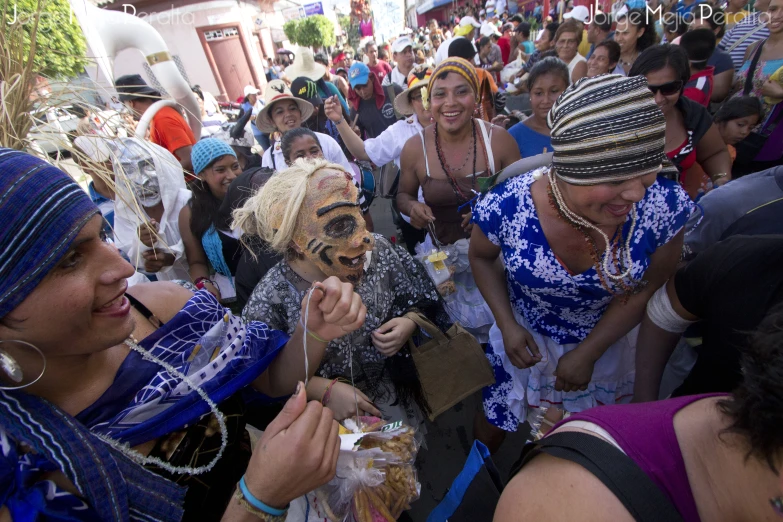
point(60, 47)
point(313, 31)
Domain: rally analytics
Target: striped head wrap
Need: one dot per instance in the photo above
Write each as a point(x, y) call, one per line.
point(42, 210)
point(456, 65)
point(607, 128)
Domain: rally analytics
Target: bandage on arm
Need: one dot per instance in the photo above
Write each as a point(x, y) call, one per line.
point(662, 313)
point(660, 331)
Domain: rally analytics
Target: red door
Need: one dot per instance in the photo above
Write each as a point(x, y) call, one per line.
point(230, 60)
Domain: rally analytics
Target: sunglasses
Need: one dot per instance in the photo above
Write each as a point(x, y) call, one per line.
point(667, 89)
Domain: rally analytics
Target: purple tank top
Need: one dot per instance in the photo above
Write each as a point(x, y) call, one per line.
point(645, 432)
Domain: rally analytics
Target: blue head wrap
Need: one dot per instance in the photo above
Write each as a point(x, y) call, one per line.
point(206, 151)
point(42, 210)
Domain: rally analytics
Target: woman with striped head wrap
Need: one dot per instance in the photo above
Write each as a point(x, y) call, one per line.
point(447, 160)
point(585, 241)
point(78, 391)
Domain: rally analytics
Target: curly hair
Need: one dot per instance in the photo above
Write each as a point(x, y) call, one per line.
point(273, 212)
point(756, 406)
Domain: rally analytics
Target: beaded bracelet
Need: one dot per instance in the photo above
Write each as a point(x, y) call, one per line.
point(257, 504)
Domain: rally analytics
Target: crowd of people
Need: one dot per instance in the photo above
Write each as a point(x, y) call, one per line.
point(604, 190)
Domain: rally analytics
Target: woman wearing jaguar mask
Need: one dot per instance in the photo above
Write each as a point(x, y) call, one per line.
point(126, 383)
point(321, 232)
point(146, 177)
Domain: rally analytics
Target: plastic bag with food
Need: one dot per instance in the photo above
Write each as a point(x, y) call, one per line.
point(376, 480)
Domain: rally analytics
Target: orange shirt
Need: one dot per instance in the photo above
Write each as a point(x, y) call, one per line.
point(169, 129)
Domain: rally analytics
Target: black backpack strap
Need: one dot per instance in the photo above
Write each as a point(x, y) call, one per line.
point(391, 94)
point(642, 497)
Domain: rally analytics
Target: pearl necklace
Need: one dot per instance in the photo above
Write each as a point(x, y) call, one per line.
point(579, 220)
point(146, 459)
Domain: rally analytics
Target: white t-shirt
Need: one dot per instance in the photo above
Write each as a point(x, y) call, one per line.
point(388, 145)
point(443, 51)
point(273, 156)
point(396, 77)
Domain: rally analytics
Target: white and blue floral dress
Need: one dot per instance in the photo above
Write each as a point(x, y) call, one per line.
point(560, 308)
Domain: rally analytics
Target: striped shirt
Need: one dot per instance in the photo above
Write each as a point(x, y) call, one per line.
point(739, 38)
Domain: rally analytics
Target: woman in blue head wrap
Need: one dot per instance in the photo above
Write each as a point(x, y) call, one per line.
point(126, 383)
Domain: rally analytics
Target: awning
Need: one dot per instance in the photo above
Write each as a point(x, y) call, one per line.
point(429, 5)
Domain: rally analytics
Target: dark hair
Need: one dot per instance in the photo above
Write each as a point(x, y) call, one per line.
point(659, 56)
point(462, 48)
point(290, 136)
point(369, 43)
point(603, 21)
point(382, 54)
point(569, 26)
point(699, 46)
point(321, 58)
point(640, 19)
point(523, 28)
point(739, 107)
point(676, 25)
point(716, 18)
point(484, 41)
point(612, 49)
point(518, 18)
point(549, 65)
point(204, 206)
point(551, 29)
point(756, 406)
point(197, 91)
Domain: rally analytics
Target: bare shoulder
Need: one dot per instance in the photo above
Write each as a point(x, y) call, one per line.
point(504, 146)
point(549, 488)
point(164, 299)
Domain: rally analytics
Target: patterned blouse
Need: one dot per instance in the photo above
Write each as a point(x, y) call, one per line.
point(555, 302)
point(394, 284)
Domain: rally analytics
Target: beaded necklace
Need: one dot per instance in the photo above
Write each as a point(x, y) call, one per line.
point(444, 165)
point(620, 257)
point(146, 459)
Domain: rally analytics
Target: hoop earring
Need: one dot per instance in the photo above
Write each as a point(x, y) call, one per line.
point(11, 370)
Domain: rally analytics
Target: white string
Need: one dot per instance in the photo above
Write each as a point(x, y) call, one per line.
point(304, 338)
point(579, 220)
point(146, 459)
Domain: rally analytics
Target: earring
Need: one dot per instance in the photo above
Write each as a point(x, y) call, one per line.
point(777, 505)
point(11, 371)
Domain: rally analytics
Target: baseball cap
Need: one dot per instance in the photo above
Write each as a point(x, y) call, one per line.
point(249, 89)
point(401, 43)
point(468, 20)
point(358, 74)
point(580, 13)
point(306, 89)
point(489, 30)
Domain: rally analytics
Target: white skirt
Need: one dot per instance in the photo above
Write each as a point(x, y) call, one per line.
point(516, 389)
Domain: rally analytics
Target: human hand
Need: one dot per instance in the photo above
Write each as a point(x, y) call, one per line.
point(501, 120)
point(392, 335)
point(467, 226)
point(421, 215)
point(333, 109)
point(213, 289)
point(520, 347)
point(296, 453)
point(335, 309)
point(341, 402)
point(148, 232)
point(574, 371)
point(156, 260)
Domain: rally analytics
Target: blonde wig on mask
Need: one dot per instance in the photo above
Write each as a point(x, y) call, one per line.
point(273, 212)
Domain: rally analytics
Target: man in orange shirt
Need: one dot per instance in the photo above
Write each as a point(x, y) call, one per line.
point(168, 127)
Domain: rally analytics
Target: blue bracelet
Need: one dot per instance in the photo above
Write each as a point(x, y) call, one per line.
point(253, 501)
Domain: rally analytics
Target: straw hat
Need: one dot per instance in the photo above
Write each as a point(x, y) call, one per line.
point(305, 65)
point(276, 91)
point(418, 77)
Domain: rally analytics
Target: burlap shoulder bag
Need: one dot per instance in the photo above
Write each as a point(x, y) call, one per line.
point(451, 366)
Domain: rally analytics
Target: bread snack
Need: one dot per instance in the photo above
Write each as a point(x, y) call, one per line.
point(376, 480)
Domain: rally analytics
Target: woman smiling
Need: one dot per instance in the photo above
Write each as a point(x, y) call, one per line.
point(567, 39)
point(282, 112)
point(585, 243)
